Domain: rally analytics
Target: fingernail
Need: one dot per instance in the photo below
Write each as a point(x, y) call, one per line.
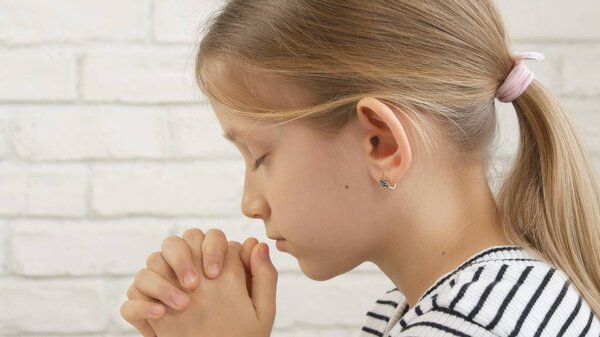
point(155, 310)
point(213, 269)
point(189, 278)
point(178, 299)
point(264, 251)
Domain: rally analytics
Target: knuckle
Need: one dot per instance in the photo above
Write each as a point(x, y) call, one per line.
point(167, 292)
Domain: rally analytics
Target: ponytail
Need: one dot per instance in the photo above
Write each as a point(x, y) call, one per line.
point(550, 200)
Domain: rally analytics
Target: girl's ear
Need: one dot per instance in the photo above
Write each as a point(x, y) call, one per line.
point(387, 148)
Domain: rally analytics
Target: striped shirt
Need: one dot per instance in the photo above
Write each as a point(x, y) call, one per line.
point(501, 291)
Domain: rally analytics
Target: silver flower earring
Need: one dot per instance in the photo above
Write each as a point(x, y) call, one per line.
point(386, 183)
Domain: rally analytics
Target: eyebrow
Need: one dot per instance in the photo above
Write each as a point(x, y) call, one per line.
point(232, 136)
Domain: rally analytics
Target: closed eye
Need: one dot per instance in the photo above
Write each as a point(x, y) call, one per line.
point(258, 162)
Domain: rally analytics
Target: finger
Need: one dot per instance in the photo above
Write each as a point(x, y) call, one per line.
point(264, 284)
point(234, 267)
point(149, 283)
point(179, 257)
point(194, 237)
point(133, 293)
point(137, 312)
point(214, 248)
point(247, 247)
point(157, 263)
point(245, 252)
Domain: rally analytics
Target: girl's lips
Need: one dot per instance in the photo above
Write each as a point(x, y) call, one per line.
point(279, 243)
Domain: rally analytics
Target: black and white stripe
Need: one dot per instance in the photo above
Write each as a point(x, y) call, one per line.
point(501, 291)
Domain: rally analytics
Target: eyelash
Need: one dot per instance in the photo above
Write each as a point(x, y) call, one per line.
point(258, 162)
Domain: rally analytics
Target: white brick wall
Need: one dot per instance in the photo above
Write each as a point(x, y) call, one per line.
point(106, 146)
point(138, 75)
point(40, 75)
point(74, 21)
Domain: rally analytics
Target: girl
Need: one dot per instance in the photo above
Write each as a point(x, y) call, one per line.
point(369, 128)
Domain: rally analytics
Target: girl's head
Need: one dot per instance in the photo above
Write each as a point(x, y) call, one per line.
point(339, 93)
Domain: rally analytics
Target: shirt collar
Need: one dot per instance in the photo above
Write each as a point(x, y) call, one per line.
point(492, 253)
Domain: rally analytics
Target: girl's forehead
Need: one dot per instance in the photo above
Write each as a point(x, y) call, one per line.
point(261, 88)
point(256, 89)
point(242, 131)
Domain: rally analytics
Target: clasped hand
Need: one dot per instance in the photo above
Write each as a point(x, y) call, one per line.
point(240, 302)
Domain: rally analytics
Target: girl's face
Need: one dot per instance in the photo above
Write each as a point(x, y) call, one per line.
point(316, 193)
point(322, 193)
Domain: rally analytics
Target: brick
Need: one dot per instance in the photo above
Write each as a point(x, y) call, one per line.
point(586, 120)
point(66, 132)
point(308, 331)
point(90, 132)
point(211, 188)
point(180, 21)
point(156, 75)
point(116, 296)
point(537, 20)
point(343, 300)
point(5, 135)
point(44, 75)
point(196, 133)
point(56, 305)
point(73, 21)
point(56, 248)
point(51, 190)
point(4, 234)
point(581, 71)
point(116, 291)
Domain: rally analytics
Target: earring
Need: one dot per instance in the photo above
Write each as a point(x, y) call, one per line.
point(386, 183)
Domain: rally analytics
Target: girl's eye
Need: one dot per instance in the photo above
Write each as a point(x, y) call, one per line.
point(258, 162)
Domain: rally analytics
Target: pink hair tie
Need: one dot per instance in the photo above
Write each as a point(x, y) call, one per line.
point(519, 78)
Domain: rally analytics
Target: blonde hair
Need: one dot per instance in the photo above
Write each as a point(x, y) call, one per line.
point(438, 62)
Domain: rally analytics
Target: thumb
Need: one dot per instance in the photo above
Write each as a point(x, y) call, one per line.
point(264, 283)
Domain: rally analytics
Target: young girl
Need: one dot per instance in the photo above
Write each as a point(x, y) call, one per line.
point(368, 126)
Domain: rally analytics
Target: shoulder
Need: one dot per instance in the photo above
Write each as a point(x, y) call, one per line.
point(520, 298)
point(382, 312)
